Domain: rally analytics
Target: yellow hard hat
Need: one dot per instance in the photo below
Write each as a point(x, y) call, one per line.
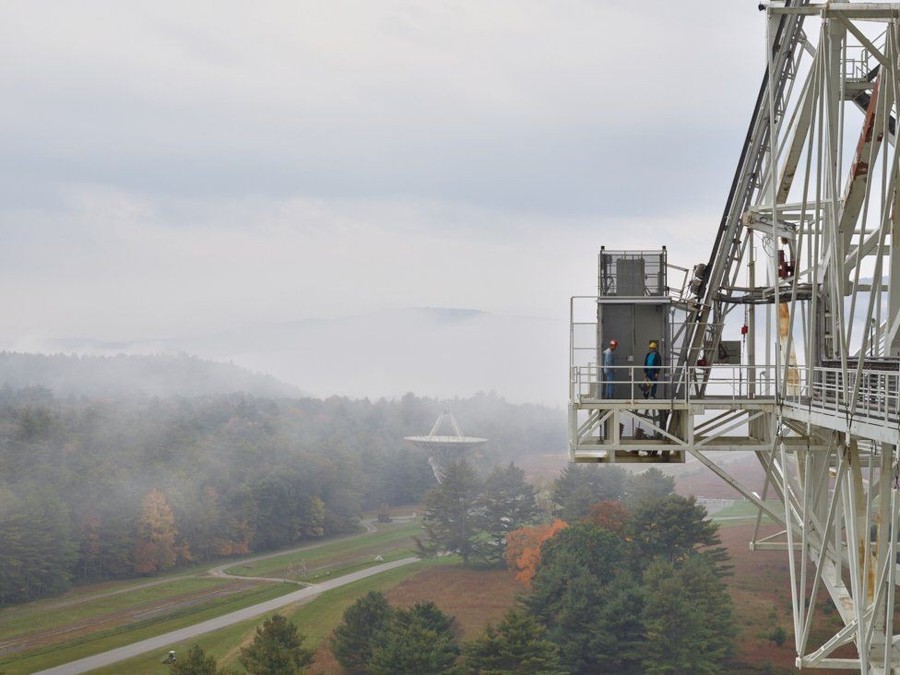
point(653, 344)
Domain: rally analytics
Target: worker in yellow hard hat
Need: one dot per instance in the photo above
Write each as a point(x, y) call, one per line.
point(652, 369)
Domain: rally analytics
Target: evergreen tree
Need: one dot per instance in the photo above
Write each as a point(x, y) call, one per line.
point(688, 618)
point(196, 662)
point(419, 640)
point(576, 628)
point(353, 640)
point(518, 644)
point(651, 484)
point(507, 503)
point(277, 649)
point(573, 552)
point(429, 613)
point(449, 513)
point(597, 624)
point(578, 487)
point(674, 528)
point(37, 551)
point(670, 614)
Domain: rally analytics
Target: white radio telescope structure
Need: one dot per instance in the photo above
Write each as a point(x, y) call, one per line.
point(786, 342)
point(444, 448)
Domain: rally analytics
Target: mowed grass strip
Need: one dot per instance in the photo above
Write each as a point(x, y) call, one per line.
point(74, 601)
point(743, 508)
point(392, 542)
point(97, 603)
point(315, 619)
point(127, 633)
point(46, 614)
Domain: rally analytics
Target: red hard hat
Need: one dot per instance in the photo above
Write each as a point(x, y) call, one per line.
point(613, 343)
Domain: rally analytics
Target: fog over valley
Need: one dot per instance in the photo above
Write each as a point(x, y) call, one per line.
point(434, 352)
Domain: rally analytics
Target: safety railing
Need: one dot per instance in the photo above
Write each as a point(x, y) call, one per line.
point(873, 394)
point(630, 383)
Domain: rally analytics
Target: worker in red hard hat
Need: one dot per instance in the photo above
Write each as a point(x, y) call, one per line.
point(609, 376)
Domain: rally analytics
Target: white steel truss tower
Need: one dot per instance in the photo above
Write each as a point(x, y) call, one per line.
point(806, 264)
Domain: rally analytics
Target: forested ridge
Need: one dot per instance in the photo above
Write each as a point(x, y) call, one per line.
point(134, 375)
point(96, 489)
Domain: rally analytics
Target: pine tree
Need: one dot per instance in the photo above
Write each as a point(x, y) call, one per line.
point(578, 487)
point(651, 484)
point(518, 644)
point(196, 662)
point(597, 624)
point(688, 618)
point(353, 640)
point(418, 640)
point(674, 528)
point(449, 510)
point(507, 502)
point(277, 649)
point(577, 550)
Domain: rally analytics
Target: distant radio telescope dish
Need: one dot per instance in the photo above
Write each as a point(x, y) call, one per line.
point(443, 448)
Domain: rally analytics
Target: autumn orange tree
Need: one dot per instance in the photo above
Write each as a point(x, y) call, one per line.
point(523, 548)
point(155, 546)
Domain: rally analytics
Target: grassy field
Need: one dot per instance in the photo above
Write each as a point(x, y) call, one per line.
point(88, 621)
point(97, 630)
point(744, 509)
point(391, 542)
point(314, 619)
point(93, 619)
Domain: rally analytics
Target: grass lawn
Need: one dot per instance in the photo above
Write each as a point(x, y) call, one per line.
point(315, 620)
point(391, 542)
point(745, 509)
point(100, 617)
point(126, 632)
point(48, 614)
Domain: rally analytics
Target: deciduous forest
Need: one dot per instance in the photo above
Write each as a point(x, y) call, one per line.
point(102, 488)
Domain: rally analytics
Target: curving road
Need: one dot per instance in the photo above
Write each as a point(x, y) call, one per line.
point(164, 642)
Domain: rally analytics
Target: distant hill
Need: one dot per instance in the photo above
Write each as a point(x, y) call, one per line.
point(432, 351)
point(127, 375)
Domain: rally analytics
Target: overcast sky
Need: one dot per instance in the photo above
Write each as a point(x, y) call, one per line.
point(173, 168)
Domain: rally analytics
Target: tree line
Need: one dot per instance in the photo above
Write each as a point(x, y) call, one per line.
point(94, 489)
point(633, 584)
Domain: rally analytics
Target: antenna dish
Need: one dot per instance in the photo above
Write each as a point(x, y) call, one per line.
point(444, 448)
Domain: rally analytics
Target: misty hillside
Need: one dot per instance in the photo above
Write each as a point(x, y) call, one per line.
point(221, 475)
point(442, 352)
point(123, 375)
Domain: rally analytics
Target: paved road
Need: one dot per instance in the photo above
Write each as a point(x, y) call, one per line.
point(163, 643)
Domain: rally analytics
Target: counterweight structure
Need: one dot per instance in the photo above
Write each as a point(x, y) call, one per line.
point(805, 273)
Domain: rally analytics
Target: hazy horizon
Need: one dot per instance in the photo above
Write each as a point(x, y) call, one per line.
point(438, 352)
point(175, 171)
